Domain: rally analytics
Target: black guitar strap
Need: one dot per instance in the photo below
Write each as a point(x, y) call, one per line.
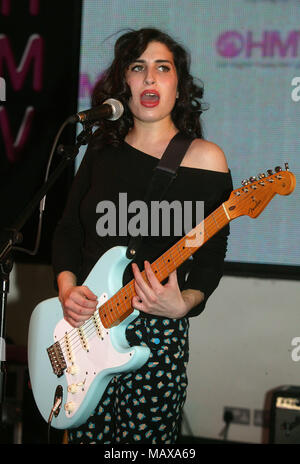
point(163, 175)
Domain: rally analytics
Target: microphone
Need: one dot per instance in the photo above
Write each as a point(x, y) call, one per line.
point(111, 109)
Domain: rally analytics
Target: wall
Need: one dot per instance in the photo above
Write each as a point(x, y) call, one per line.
point(241, 349)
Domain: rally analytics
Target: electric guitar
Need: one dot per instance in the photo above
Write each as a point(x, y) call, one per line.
point(70, 368)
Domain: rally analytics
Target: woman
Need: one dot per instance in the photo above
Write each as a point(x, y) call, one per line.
point(150, 76)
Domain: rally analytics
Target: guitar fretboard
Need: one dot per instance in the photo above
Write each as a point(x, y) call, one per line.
point(118, 307)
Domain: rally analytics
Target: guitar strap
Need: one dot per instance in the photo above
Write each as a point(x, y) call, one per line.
point(163, 175)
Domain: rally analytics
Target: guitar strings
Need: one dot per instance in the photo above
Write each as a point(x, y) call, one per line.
point(91, 331)
point(74, 334)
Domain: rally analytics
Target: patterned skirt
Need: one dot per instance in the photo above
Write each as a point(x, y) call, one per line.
point(144, 406)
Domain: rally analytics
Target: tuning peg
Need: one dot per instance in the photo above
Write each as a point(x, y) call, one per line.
point(252, 179)
point(278, 169)
point(245, 182)
point(261, 175)
point(286, 166)
point(270, 172)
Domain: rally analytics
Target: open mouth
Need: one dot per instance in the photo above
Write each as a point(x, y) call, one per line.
point(150, 98)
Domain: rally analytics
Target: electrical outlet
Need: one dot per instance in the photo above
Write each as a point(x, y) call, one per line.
point(239, 415)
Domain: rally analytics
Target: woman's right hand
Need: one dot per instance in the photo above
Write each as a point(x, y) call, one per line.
point(78, 302)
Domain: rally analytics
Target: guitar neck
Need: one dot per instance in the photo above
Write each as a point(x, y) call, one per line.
point(118, 307)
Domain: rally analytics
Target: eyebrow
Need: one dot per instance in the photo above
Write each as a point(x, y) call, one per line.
point(156, 61)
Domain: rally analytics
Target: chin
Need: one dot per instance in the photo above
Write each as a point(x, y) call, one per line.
point(153, 115)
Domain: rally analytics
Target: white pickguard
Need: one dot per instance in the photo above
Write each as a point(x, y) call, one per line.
point(88, 351)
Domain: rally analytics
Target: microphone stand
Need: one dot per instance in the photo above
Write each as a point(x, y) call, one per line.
point(12, 236)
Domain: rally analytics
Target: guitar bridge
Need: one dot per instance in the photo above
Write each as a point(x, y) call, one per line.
point(57, 359)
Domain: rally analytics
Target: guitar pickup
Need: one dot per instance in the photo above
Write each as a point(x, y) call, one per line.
point(57, 359)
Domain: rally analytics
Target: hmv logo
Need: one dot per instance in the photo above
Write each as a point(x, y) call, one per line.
point(267, 44)
point(2, 89)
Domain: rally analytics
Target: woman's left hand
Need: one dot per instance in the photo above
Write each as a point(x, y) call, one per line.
point(154, 298)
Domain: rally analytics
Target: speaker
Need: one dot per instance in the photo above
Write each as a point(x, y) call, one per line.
point(285, 415)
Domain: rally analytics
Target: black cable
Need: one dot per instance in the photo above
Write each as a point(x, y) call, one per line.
point(42, 203)
point(55, 407)
point(228, 418)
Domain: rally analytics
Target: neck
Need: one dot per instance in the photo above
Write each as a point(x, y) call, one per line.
point(151, 135)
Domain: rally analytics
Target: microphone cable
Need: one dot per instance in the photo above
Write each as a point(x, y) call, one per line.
point(43, 201)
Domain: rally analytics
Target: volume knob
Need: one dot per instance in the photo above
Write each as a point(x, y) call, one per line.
point(72, 388)
point(70, 406)
point(73, 369)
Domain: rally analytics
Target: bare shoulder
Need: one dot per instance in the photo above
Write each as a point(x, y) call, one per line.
point(203, 154)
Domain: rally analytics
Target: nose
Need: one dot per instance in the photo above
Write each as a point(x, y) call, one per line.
point(149, 77)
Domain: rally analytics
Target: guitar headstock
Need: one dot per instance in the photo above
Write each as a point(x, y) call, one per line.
point(256, 192)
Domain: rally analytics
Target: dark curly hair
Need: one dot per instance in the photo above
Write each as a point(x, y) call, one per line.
point(112, 84)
